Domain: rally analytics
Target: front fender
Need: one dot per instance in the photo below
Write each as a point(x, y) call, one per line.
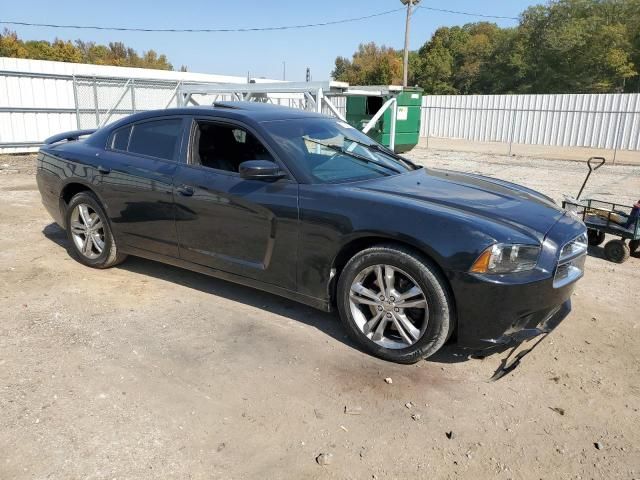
point(334, 217)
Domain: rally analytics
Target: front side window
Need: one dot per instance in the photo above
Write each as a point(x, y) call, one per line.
point(225, 147)
point(332, 151)
point(158, 138)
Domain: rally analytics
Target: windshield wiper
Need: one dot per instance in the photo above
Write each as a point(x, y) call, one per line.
point(384, 150)
point(362, 158)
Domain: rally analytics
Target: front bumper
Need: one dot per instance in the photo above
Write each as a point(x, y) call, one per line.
point(504, 314)
point(508, 309)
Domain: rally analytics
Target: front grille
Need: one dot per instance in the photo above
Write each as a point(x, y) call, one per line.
point(571, 261)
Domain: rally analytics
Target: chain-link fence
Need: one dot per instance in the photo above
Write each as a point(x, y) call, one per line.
point(291, 100)
point(100, 101)
point(34, 106)
point(104, 100)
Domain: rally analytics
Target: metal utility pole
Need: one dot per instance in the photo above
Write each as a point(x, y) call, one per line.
point(405, 63)
point(284, 70)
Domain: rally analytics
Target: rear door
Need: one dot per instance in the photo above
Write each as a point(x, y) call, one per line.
point(245, 227)
point(137, 173)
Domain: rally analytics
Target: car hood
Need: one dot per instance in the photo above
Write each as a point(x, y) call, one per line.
point(491, 198)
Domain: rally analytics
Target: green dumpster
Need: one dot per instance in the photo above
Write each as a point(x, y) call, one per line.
point(360, 109)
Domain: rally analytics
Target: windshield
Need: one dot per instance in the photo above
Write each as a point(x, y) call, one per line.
point(332, 151)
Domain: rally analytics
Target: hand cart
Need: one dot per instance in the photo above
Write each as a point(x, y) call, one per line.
point(603, 218)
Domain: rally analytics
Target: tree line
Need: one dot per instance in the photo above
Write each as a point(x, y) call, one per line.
point(565, 46)
point(116, 53)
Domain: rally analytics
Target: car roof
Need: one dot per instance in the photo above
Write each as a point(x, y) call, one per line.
point(262, 111)
point(251, 111)
point(247, 112)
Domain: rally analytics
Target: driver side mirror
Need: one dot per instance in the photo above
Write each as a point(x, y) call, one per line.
point(260, 170)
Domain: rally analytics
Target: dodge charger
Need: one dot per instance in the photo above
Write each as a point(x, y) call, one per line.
point(306, 206)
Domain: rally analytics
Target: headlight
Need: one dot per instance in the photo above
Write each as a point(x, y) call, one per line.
point(506, 258)
point(574, 248)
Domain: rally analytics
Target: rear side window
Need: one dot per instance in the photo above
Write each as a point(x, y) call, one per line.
point(120, 139)
point(158, 138)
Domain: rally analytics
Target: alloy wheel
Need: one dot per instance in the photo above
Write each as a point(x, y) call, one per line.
point(388, 306)
point(87, 231)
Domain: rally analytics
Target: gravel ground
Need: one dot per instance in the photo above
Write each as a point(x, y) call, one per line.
point(150, 371)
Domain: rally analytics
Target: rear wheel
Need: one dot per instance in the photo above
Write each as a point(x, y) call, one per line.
point(395, 304)
point(634, 246)
point(596, 237)
point(89, 233)
point(616, 251)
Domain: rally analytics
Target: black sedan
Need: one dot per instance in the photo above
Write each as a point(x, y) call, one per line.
point(307, 207)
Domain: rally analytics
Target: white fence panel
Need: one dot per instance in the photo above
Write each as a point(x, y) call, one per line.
point(609, 121)
point(39, 99)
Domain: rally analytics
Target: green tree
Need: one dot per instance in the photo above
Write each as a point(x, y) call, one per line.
point(116, 53)
point(150, 59)
point(11, 46)
point(370, 65)
point(474, 69)
point(93, 53)
point(476, 57)
point(564, 46)
point(65, 51)
point(441, 60)
point(38, 50)
point(579, 45)
point(415, 67)
point(342, 69)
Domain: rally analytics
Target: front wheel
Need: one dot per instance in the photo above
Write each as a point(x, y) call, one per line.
point(89, 232)
point(395, 304)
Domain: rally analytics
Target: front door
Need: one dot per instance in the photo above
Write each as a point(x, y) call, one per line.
point(245, 227)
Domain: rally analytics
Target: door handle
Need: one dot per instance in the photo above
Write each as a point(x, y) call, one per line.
point(185, 190)
point(104, 170)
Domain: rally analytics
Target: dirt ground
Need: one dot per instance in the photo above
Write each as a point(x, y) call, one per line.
point(150, 371)
point(616, 157)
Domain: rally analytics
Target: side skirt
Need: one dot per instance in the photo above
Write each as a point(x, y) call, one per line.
point(212, 272)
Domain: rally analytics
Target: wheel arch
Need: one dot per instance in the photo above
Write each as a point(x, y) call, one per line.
point(71, 189)
point(355, 245)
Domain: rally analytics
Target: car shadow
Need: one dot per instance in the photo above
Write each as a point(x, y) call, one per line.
point(596, 252)
point(56, 234)
point(328, 323)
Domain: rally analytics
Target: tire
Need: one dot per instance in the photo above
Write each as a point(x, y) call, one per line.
point(634, 247)
point(596, 237)
point(430, 325)
point(102, 252)
point(616, 251)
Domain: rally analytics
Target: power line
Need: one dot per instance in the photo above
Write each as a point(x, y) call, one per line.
point(202, 30)
point(248, 29)
point(469, 14)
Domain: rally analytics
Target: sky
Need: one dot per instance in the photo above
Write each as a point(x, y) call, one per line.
point(260, 53)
